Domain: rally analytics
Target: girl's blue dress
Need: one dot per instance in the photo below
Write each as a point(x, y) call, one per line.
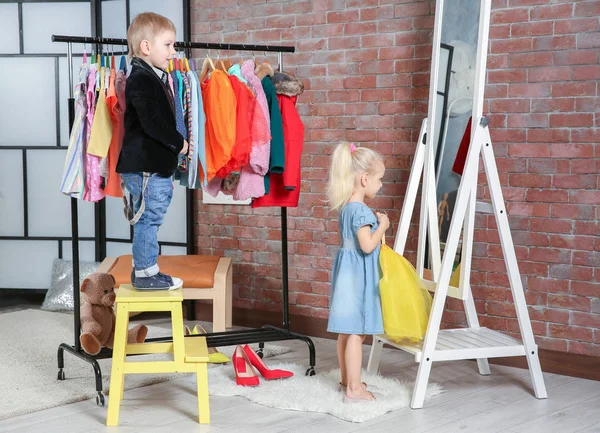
point(355, 306)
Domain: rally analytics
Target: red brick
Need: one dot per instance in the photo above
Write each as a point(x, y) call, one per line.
point(590, 40)
point(554, 43)
point(588, 72)
point(532, 29)
point(313, 300)
point(348, 16)
point(511, 45)
point(510, 106)
point(569, 332)
point(500, 32)
point(545, 74)
point(555, 104)
point(394, 25)
point(529, 238)
point(572, 211)
point(552, 12)
point(585, 288)
point(586, 258)
point(589, 197)
point(584, 348)
point(585, 88)
point(548, 135)
point(547, 285)
point(527, 120)
point(552, 344)
point(411, 9)
point(509, 16)
point(550, 225)
point(377, 12)
point(574, 181)
point(549, 255)
point(576, 26)
point(571, 120)
point(587, 9)
point(507, 76)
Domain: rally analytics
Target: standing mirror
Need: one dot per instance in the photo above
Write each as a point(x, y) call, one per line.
point(453, 107)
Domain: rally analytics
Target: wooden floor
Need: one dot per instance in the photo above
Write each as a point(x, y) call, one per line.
point(502, 402)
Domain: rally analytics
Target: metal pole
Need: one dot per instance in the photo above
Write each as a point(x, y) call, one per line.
point(74, 216)
point(284, 250)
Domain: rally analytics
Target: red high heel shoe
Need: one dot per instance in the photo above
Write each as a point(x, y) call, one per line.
point(244, 373)
point(265, 371)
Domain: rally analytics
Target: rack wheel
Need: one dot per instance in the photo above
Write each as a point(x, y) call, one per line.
point(61, 374)
point(259, 352)
point(100, 399)
point(311, 371)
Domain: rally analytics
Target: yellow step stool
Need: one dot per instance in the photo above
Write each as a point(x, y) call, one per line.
point(189, 354)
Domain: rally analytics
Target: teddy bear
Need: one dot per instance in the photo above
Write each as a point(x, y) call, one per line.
point(98, 316)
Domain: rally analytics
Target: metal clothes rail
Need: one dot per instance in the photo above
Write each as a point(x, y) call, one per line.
point(216, 339)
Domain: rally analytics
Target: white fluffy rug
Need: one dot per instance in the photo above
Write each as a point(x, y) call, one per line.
point(29, 340)
point(318, 393)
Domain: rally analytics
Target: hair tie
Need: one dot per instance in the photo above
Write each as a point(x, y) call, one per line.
point(352, 147)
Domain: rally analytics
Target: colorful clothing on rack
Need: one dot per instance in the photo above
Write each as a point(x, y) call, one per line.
point(220, 108)
point(113, 183)
point(277, 154)
point(73, 172)
point(243, 139)
point(285, 187)
point(93, 191)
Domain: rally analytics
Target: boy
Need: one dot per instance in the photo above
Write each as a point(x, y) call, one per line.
point(151, 144)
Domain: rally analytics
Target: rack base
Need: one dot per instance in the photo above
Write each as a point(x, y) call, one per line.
point(215, 339)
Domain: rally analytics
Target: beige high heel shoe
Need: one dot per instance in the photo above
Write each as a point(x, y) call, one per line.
point(214, 356)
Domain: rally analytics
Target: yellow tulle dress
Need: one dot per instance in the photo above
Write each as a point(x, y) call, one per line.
point(405, 301)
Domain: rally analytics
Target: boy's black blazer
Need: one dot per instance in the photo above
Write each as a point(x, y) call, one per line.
point(151, 142)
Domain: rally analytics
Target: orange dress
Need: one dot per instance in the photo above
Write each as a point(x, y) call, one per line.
point(243, 137)
point(220, 104)
point(113, 184)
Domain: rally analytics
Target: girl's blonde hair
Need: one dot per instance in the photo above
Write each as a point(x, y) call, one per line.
point(347, 162)
point(146, 26)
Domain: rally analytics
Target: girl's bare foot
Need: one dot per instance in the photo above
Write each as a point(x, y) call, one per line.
point(345, 387)
point(359, 394)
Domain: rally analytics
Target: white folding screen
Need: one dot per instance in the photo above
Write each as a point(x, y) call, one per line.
point(9, 28)
point(35, 218)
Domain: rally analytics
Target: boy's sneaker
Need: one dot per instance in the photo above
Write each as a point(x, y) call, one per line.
point(159, 281)
point(133, 277)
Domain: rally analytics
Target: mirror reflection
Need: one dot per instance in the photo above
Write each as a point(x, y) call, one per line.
point(456, 81)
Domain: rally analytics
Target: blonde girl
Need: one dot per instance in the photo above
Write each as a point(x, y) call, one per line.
point(355, 308)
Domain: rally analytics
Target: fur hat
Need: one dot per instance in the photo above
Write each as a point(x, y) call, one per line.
point(287, 84)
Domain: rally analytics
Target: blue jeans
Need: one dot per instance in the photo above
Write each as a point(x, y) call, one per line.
point(157, 197)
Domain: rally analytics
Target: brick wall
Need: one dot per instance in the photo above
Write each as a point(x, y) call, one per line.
point(365, 66)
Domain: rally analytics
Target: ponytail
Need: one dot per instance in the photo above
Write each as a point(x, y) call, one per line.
point(347, 161)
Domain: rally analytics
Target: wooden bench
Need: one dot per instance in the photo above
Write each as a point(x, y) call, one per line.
point(204, 277)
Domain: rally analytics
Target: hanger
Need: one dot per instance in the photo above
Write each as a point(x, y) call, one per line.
point(207, 67)
point(84, 53)
point(181, 63)
point(123, 65)
point(112, 58)
point(219, 64)
point(187, 65)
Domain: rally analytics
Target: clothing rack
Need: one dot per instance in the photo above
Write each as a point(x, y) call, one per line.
point(217, 339)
